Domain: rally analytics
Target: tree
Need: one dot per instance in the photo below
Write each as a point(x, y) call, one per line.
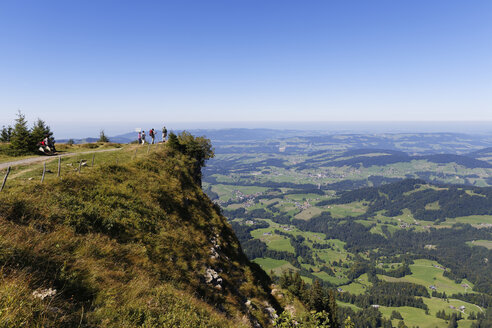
point(316, 296)
point(284, 320)
point(102, 137)
point(198, 148)
point(20, 141)
point(453, 322)
point(348, 323)
point(332, 304)
point(396, 315)
point(39, 131)
point(401, 324)
point(6, 134)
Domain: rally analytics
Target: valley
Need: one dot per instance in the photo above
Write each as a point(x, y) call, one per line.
point(356, 212)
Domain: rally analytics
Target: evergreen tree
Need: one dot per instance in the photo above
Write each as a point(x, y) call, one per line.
point(396, 315)
point(401, 324)
point(20, 141)
point(102, 137)
point(173, 142)
point(332, 304)
point(315, 301)
point(6, 134)
point(298, 287)
point(453, 322)
point(39, 131)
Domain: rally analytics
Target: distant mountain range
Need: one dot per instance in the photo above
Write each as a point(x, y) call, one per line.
point(122, 138)
point(310, 142)
point(216, 135)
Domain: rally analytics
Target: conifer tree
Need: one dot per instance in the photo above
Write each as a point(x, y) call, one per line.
point(102, 137)
point(453, 322)
point(6, 134)
point(401, 324)
point(316, 296)
point(332, 303)
point(20, 141)
point(39, 131)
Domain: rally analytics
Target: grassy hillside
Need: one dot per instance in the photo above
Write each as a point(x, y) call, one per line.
point(134, 244)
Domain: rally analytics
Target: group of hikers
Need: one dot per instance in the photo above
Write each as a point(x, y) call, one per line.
point(152, 135)
point(47, 145)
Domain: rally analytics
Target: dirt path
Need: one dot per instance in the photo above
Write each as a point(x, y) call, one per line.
point(32, 160)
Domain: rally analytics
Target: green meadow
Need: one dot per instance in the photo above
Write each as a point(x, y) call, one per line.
point(426, 274)
point(359, 286)
point(483, 243)
point(275, 266)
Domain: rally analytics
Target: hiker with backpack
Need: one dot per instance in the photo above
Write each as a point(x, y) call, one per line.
point(143, 137)
point(47, 146)
point(139, 137)
point(164, 134)
point(152, 134)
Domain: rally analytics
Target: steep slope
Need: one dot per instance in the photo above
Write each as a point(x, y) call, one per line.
point(136, 245)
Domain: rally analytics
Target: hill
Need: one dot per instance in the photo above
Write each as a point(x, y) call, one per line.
point(130, 245)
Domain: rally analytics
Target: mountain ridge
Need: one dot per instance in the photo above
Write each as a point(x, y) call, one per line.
point(125, 246)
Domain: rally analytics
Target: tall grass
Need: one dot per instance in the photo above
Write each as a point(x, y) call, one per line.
point(123, 245)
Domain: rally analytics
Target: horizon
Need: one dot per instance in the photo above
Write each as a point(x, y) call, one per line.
point(356, 127)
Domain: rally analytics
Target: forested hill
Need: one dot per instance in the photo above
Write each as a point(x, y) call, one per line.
point(381, 157)
point(129, 245)
point(426, 201)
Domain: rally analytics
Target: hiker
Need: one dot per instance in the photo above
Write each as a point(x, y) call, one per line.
point(45, 146)
point(143, 137)
point(42, 146)
point(164, 134)
point(152, 134)
point(49, 143)
point(139, 137)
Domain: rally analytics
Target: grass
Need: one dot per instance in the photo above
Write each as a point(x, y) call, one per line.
point(437, 304)
point(349, 305)
point(309, 213)
point(273, 241)
point(472, 219)
point(70, 164)
point(484, 243)
point(359, 286)
point(433, 206)
point(417, 317)
point(424, 273)
point(227, 192)
point(61, 149)
point(277, 266)
point(124, 245)
point(344, 210)
point(413, 317)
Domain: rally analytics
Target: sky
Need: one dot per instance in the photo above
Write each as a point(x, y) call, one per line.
point(86, 65)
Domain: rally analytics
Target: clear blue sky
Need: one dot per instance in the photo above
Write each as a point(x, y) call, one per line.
point(103, 64)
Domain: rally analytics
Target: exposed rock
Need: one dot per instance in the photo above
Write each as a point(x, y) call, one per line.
point(43, 293)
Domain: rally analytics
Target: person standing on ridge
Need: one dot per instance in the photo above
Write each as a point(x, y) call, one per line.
point(164, 134)
point(139, 137)
point(152, 134)
point(143, 137)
